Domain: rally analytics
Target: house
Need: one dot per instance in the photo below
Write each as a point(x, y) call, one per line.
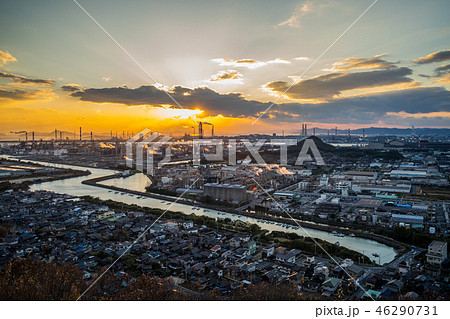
point(395, 285)
point(371, 294)
point(321, 269)
point(373, 281)
point(106, 215)
point(135, 214)
point(250, 246)
point(437, 252)
point(215, 249)
point(330, 285)
point(234, 242)
point(188, 224)
point(241, 252)
point(287, 257)
point(268, 251)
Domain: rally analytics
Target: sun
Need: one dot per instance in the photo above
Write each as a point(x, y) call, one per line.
point(177, 113)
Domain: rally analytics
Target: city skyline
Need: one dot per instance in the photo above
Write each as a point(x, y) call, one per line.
point(224, 63)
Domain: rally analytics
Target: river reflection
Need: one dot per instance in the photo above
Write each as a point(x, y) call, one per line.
point(138, 182)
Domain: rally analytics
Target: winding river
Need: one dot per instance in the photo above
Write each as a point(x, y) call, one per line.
point(137, 182)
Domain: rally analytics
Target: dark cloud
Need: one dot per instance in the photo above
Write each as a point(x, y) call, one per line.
point(226, 75)
point(363, 109)
point(330, 85)
point(438, 56)
point(71, 87)
point(24, 80)
point(22, 95)
point(363, 63)
point(231, 104)
point(372, 108)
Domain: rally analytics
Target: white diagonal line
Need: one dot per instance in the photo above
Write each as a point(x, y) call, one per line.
point(134, 60)
point(135, 241)
point(315, 242)
point(314, 62)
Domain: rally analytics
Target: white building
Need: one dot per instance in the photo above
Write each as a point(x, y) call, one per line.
point(437, 252)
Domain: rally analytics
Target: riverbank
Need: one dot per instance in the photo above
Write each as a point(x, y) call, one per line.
point(399, 247)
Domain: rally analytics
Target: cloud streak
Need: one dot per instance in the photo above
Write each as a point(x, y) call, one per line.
point(363, 63)
point(71, 87)
point(248, 63)
point(24, 80)
point(227, 76)
point(438, 56)
point(6, 57)
point(294, 21)
point(332, 85)
point(23, 95)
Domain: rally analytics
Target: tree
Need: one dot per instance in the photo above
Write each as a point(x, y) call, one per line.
point(29, 279)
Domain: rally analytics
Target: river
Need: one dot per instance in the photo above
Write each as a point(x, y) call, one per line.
point(137, 182)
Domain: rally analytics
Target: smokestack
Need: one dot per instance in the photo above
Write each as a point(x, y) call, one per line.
point(33, 136)
point(314, 131)
point(306, 130)
point(348, 132)
point(80, 133)
point(335, 131)
point(91, 136)
point(60, 135)
point(212, 130)
point(200, 130)
point(56, 134)
point(26, 136)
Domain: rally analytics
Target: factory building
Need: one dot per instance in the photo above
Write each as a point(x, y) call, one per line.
point(235, 194)
point(407, 174)
point(411, 220)
point(361, 175)
point(382, 187)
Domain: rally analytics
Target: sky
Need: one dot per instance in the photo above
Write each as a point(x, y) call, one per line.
point(244, 66)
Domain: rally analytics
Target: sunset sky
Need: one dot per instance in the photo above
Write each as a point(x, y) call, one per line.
point(224, 62)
